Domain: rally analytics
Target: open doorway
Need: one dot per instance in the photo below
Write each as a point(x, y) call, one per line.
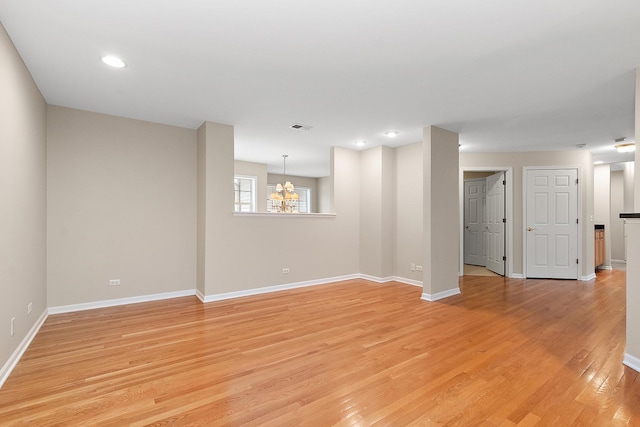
point(485, 221)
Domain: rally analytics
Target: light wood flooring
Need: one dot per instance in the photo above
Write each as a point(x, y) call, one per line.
point(477, 270)
point(504, 352)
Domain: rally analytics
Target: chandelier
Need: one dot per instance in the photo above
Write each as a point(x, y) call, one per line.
point(284, 199)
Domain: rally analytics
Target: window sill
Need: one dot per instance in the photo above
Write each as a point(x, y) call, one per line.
point(285, 215)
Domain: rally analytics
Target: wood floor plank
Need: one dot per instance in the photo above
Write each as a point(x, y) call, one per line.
point(505, 352)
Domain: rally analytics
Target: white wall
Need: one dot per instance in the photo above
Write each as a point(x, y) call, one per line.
point(518, 161)
point(121, 205)
point(618, 248)
point(22, 200)
point(602, 206)
point(629, 186)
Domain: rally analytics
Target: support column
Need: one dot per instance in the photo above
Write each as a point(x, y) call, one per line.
point(632, 352)
point(377, 174)
point(215, 204)
point(440, 199)
point(636, 176)
point(632, 232)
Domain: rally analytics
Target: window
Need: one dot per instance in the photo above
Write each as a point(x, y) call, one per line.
point(245, 193)
point(304, 200)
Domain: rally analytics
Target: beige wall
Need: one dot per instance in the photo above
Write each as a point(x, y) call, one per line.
point(408, 201)
point(240, 253)
point(121, 205)
point(324, 195)
point(22, 200)
point(518, 161)
point(602, 205)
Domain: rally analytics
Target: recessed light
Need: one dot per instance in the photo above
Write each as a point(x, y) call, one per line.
point(113, 61)
point(361, 143)
point(392, 133)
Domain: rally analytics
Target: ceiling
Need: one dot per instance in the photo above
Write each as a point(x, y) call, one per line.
point(507, 75)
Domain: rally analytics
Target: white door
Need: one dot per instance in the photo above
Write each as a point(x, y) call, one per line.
point(552, 223)
point(474, 224)
point(495, 219)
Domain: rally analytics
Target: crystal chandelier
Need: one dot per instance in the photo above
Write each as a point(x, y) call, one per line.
point(284, 199)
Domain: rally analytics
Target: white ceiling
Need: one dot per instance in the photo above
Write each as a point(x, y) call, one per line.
point(507, 75)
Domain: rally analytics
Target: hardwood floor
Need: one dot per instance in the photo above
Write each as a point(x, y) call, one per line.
point(503, 353)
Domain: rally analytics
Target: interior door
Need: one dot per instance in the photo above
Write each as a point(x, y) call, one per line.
point(552, 223)
point(474, 224)
point(495, 219)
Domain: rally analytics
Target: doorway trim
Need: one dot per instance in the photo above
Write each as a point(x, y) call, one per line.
point(508, 247)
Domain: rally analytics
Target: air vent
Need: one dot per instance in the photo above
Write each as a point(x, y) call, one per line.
point(298, 126)
point(620, 139)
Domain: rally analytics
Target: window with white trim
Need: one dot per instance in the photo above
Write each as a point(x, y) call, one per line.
point(304, 198)
point(245, 193)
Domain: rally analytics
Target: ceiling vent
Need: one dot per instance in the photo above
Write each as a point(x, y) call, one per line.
point(298, 126)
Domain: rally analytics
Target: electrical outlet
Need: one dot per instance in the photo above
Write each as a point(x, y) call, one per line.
point(418, 268)
point(29, 308)
point(286, 270)
point(114, 282)
point(13, 320)
point(413, 267)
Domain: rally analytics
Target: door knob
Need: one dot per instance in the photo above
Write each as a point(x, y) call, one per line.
point(530, 229)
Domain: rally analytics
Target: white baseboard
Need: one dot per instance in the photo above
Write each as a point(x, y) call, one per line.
point(376, 279)
point(407, 281)
point(605, 267)
point(517, 276)
point(632, 362)
point(120, 301)
point(619, 261)
point(17, 355)
point(295, 285)
point(440, 295)
point(268, 289)
point(390, 279)
point(588, 277)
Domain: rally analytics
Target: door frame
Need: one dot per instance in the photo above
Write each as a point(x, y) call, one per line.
point(508, 191)
point(580, 251)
